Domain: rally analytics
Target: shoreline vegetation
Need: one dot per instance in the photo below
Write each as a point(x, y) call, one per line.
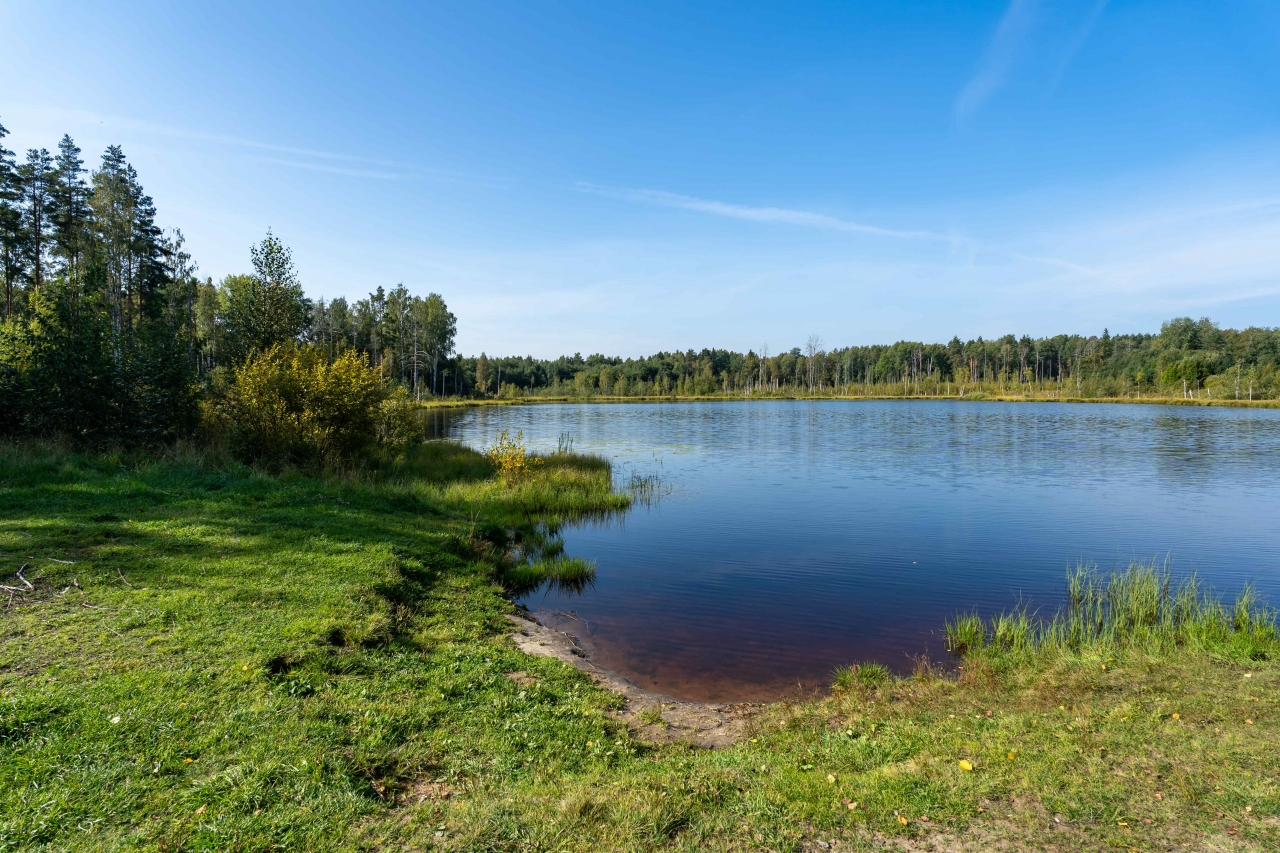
point(198, 654)
point(976, 397)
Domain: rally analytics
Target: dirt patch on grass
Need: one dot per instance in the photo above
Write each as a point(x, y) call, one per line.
point(426, 790)
point(653, 718)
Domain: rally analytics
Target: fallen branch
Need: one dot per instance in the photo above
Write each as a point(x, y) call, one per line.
point(13, 589)
point(121, 574)
point(64, 562)
point(24, 580)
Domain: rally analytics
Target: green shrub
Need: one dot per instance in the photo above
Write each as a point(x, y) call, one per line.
point(290, 403)
point(511, 458)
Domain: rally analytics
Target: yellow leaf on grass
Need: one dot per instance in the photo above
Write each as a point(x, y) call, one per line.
point(1177, 716)
point(902, 820)
point(1011, 756)
point(965, 764)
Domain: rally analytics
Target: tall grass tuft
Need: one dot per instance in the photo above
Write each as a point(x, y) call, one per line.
point(966, 635)
point(866, 675)
point(571, 574)
point(1140, 607)
point(646, 489)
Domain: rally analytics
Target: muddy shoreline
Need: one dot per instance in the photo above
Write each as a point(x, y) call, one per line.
point(652, 717)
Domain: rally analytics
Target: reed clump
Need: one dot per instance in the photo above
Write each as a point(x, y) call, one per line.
point(866, 675)
point(560, 571)
point(1141, 608)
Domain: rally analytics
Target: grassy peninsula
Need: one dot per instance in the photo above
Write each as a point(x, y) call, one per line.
point(211, 656)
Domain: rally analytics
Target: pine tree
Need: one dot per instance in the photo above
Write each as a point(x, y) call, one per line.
point(70, 214)
point(12, 238)
point(265, 308)
point(147, 251)
point(36, 178)
point(113, 220)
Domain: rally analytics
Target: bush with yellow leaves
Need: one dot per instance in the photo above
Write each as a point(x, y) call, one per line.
point(291, 403)
point(511, 458)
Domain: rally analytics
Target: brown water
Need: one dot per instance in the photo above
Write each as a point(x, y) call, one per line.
point(800, 536)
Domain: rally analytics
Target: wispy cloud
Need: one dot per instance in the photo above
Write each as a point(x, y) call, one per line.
point(313, 159)
point(339, 170)
point(998, 58)
point(85, 117)
point(1078, 42)
point(758, 214)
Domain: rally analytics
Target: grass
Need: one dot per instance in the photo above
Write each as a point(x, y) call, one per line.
point(1141, 608)
point(214, 658)
point(864, 675)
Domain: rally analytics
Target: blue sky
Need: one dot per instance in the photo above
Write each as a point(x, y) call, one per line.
point(628, 177)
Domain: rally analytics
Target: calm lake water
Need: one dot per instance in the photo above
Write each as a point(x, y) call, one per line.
point(799, 536)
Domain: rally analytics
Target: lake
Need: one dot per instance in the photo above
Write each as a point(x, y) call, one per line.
point(794, 537)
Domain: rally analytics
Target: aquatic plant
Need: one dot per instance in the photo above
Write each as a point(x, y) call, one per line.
point(966, 634)
point(563, 572)
point(1139, 607)
point(646, 489)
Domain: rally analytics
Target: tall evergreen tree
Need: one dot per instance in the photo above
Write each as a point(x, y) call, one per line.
point(265, 308)
point(113, 223)
point(12, 238)
point(70, 215)
point(148, 251)
point(36, 179)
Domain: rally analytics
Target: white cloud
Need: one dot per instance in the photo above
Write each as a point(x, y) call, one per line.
point(998, 59)
point(339, 170)
point(759, 214)
point(1078, 42)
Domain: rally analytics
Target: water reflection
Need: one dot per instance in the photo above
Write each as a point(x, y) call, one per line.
point(794, 537)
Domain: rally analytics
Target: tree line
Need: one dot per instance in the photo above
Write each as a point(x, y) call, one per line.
point(1187, 358)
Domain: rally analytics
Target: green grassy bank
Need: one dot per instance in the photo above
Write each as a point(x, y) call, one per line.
point(215, 658)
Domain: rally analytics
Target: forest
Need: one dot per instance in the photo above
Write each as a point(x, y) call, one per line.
point(1186, 359)
point(109, 334)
